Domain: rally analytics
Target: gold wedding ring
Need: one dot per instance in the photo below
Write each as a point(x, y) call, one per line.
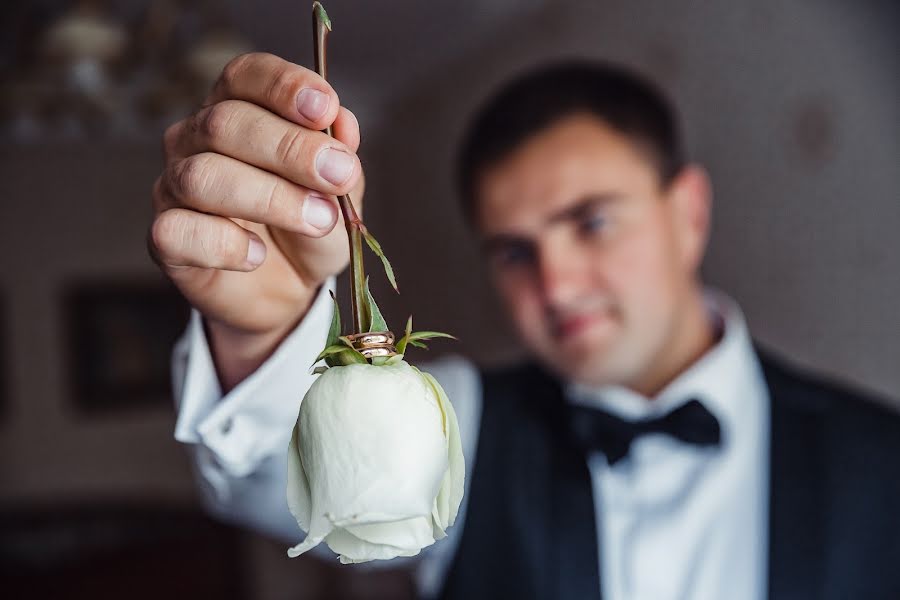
point(374, 343)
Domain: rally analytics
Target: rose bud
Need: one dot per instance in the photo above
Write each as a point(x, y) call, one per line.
point(375, 463)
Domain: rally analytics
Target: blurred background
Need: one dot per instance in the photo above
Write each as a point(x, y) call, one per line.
point(794, 107)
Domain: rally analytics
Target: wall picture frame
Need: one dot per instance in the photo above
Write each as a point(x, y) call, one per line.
point(120, 336)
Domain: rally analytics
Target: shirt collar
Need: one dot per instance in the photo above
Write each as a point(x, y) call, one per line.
point(721, 379)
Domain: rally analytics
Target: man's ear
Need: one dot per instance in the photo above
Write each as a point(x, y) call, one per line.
point(690, 195)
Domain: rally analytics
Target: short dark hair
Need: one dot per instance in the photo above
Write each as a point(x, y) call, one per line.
point(621, 98)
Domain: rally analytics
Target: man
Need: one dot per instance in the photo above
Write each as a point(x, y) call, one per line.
point(650, 451)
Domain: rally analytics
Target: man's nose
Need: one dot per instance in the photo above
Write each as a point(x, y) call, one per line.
point(563, 276)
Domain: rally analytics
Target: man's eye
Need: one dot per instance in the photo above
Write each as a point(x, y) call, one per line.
point(593, 223)
point(514, 256)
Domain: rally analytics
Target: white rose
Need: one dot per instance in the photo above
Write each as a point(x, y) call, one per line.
point(375, 464)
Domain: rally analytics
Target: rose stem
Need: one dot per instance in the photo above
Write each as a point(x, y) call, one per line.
point(321, 27)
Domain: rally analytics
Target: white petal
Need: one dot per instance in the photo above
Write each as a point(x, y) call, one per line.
point(453, 485)
point(299, 502)
point(355, 550)
point(305, 546)
point(408, 534)
point(442, 502)
point(437, 523)
point(298, 498)
point(319, 528)
point(372, 443)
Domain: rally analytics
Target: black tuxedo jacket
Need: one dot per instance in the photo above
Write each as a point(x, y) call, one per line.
point(834, 525)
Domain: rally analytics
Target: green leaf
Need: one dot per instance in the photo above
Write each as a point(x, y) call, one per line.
point(376, 248)
point(334, 332)
point(417, 344)
point(345, 339)
point(376, 320)
point(401, 345)
point(393, 360)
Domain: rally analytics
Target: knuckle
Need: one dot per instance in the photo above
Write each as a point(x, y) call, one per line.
point(233, 70)
point(151, 247)
point(284, 86)
point(165, 231)
point(272, 205)
point(190, 176)
point(293, 148)
point(215, 121)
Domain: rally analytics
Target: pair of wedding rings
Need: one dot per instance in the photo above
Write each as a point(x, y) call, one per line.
point(374, 343)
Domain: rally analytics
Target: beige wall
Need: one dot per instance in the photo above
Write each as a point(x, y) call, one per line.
point(73, 213)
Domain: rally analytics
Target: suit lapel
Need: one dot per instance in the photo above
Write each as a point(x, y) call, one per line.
point(797, 525)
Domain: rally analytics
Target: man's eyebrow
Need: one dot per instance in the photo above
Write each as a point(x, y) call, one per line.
point(584, 207)
point(581, 209)
point(501, 241)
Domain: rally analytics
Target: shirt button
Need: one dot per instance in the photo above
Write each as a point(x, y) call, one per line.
point(226, 425)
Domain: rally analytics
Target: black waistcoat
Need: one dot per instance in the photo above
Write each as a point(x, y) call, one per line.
point(834, 504)
point(530, 531)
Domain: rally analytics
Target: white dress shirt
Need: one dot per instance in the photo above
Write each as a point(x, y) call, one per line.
point(674, 521)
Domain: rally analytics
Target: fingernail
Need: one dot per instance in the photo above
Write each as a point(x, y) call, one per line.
point(256, 252)
point(312, 104)
point(319, 212)
point(334, 165)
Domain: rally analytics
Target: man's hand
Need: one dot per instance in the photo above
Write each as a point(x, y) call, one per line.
point(245, 208)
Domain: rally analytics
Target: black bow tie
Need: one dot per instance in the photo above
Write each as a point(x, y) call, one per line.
point(593, 429)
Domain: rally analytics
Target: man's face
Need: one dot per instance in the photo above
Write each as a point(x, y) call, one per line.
point(595, 260)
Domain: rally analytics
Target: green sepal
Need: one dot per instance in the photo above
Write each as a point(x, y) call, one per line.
point(415, 338)
point(329, 350)
point(375, 318)
point(427, 335)
point(319, 370)
point(376, 248)
point(334, 332)
point(347, 357)
point(401, 345)
point(381, 361)
point(339, 355)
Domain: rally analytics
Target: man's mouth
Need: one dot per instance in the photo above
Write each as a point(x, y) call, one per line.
point(572, 327)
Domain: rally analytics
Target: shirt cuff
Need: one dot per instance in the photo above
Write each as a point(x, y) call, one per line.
point(255, 419)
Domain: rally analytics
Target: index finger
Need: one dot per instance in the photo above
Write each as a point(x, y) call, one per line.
point(282, 87)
